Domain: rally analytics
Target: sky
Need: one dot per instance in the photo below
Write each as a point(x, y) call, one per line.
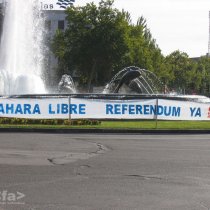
point(175, 24)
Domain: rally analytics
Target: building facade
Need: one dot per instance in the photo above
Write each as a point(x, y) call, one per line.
point(55, 19)
point(2, 8)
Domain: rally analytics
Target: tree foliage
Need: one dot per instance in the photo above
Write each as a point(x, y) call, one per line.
point(100, 40)
point(187, 75)
point(202, 75)
point(94, 41)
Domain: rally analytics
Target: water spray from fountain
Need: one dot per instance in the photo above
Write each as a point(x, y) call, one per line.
point(66, 84)
point(133, 80)
point(21, 50)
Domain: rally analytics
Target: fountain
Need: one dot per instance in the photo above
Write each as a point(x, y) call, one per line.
point(66, 84)
point(133, 93)
point(134, 80)
point(22, 62)
point(21, 53)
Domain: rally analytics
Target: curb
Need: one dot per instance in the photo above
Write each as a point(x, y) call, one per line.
point(101, 131)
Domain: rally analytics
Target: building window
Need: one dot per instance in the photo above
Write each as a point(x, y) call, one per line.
point(61, 24)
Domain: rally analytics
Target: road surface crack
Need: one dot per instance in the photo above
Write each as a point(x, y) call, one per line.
point(72, 157)
point(145, 177)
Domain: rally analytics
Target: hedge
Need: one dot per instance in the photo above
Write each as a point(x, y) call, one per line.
point(18, 121)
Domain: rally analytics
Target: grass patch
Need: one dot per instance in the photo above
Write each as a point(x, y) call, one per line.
point(160, 124)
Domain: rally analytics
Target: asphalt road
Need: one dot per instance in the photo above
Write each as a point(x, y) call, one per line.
point(98, 172)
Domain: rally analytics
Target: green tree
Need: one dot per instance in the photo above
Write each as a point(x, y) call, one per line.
point(143, 50)
point(101, 40)
point(203, 75)
point(182, 68)
point(94, 41)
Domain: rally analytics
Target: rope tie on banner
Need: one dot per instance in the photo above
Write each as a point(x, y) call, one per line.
point(69, 98)
point(156, 114)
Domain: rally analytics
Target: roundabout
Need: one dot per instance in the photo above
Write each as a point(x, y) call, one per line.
point(100, 166)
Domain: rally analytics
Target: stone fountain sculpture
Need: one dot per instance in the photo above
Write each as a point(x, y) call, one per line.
point(66, 85)
point(134, 80)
